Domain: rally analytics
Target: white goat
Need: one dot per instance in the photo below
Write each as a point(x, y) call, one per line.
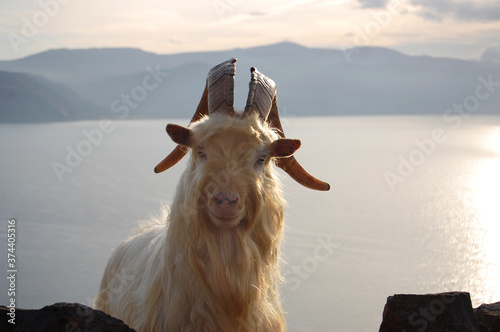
point(214, 264)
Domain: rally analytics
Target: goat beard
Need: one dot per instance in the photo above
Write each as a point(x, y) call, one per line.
point(226, 263)
point(224, 274)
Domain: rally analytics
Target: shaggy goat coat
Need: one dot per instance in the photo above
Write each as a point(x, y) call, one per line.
point(192, 273)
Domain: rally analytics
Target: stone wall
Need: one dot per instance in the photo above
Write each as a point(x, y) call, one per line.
point(60, 317)
point(403, 312)
point(439, 312)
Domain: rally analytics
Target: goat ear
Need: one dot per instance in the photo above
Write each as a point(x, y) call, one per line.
point(180, 135)
point(284, 147)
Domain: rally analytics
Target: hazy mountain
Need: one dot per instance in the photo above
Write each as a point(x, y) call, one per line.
point(130, 83)
point(492, 53)
point(30, 98)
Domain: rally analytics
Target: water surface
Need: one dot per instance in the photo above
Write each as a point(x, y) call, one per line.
point(433, 229)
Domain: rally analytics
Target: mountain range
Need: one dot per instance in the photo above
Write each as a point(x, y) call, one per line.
point(126, 83)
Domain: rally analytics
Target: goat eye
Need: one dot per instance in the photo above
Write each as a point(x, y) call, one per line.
point(261, 160)
point(202, 155)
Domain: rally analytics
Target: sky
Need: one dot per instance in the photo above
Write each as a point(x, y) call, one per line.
point(464, 29)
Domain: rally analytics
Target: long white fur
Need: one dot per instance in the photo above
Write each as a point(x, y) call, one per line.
point(183, 273)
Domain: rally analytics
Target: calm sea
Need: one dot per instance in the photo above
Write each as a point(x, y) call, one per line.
point(414, 208)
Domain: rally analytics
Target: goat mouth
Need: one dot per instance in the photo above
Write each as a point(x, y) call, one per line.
point(225, 219)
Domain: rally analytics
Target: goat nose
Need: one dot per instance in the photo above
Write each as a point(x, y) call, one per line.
point(226, 199)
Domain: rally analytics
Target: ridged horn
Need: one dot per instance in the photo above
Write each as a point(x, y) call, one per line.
point(261, 93)
point(220, 83)
point(218, 96)
point(262, 98)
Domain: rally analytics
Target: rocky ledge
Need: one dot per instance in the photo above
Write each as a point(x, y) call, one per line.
point(439, 312)
point(60, 317)
point(403, 312)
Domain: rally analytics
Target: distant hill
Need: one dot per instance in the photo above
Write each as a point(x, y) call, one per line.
point(29, 98)
point(311, 81)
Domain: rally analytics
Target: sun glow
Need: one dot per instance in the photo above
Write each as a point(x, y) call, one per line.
point(485, 185)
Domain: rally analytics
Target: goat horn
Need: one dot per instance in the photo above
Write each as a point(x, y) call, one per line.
point(262, 98)
point(261, 93)
point(180, 151)
point(220, 84)
point(218, 96)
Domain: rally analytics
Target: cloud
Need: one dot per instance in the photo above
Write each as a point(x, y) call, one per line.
point(257, 13)
point(468, 10)
point(373, 3)
point(436, 10)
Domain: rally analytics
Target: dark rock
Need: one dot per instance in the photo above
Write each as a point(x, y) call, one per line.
point(488, 317)
point(63, 317)
point(430, 313)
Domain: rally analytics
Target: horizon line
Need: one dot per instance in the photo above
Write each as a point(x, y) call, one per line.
point(236, 48)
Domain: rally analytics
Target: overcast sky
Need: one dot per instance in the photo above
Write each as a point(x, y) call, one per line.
point(451, 28)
